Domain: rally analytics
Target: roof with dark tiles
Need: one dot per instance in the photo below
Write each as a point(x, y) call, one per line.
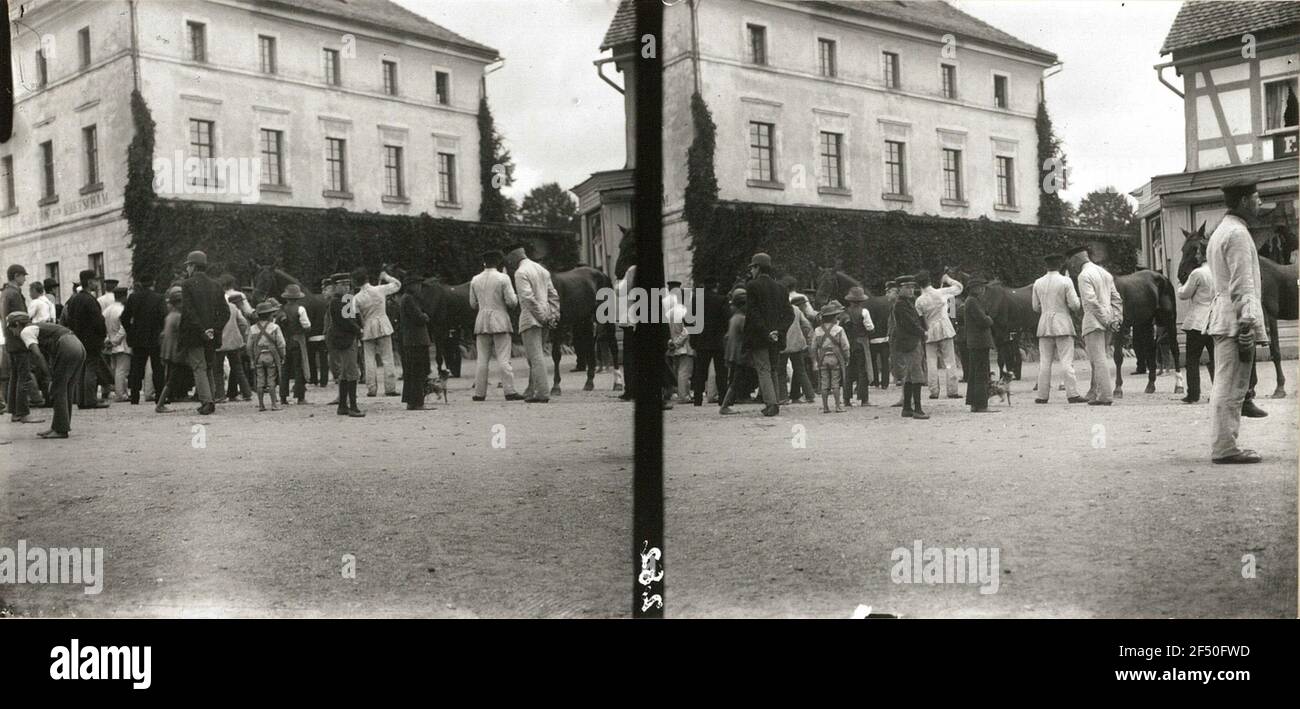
point(387, 15)
point(1204, 21)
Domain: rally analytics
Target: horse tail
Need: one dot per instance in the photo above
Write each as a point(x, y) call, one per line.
point(1166, 302)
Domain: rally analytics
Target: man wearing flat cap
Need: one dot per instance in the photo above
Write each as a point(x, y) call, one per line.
point(1054, 299)
point(1236, 320)
point(769, 317)
point(1103, 313)
point(204, 313)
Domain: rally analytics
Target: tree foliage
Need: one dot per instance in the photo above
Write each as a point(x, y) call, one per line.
point(701, 181)
point(549, 205)
point(1052, 210)
point(496, 167)
point(1108, 210)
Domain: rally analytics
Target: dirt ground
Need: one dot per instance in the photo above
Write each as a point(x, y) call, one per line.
point(1095, 511)
point(257, 522)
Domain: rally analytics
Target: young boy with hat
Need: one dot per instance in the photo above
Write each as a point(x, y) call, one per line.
point(172, 354)
point(296, 326)
point(831, 350)
point(266, 350)
point(859, 326)
point(739, 359)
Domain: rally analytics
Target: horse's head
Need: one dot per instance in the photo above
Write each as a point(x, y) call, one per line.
point(263, 282)
point(1193, 252)
point(826, 286)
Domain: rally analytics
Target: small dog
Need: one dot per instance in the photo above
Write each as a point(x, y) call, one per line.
point(1001, 387)
point(438, 385)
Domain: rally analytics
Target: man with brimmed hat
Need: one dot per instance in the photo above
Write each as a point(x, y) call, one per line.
point(83, 316)
point(907, 347)
point(1103, 314)
point(344, 332)
point(1236, 321)
point(940, 351)
point(204, 313)
point(858, 327)
point(296, 325)
point(1055, 301)
point(58, 353)
point(767, 319)
point(979, 340)
point(142, 318)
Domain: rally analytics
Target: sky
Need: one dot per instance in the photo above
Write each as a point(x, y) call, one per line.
point(561, 122)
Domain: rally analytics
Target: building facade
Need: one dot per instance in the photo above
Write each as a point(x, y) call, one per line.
point(1237, 66)
point(911, 106)
point(310, 103)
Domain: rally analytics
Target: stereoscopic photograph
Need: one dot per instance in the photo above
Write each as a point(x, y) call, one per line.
point(341, 309)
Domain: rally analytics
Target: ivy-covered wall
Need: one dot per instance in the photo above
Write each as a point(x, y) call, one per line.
point(313, 243)
point(877, 246)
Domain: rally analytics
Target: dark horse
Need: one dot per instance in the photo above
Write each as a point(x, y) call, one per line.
point(578, 290)
point(1278, 296)
point(270, 282)
point(1149, 300)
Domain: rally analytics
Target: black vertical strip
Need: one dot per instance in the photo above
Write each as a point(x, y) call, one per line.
point(649, 339)
point(6, 79)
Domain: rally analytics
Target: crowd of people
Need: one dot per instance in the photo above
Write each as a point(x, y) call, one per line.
point(765, 335)
point(203, 335)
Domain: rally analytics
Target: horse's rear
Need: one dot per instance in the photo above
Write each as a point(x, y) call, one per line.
point(578, 289)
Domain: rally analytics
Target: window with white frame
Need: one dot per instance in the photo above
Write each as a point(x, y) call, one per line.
point(202, 147)
point(198, 39)
point(1280, 104)
point(90, 149)
point(891, 70)
point(266, 53)
point(761, 164)
point(757, 44)
point(336, 168)
point(330, 58)
point(393, 186)
point(390, 77)
point(83, 46)
point(447, 192)
point(442, 87)
point(832, 161)
point(895, 167)
point(1006, 178)
point(1000, 91)
point(826, 57)
point(272, 148)
point(952, 188)
point(948, 75)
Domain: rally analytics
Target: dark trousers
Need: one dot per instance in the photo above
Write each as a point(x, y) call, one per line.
point(103, 373)
point(880, 364)
point(295, 361)
point(741, 376)
point(700, 375)
point(415, 374)
point(1009, 356)
point(238, 376)
point(1196, 343)
point(977, 378)
point(135, 380)
point(88, 375)
point(318, 363)
point(69, 359)
point(178, 381)
point(856, 374)
point(799, 386)
point(449, 351)
point(20, 372)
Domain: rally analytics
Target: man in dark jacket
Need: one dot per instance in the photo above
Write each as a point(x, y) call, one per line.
point(344, 332)
point(142, 318)
point(204, 312)
point(709, 343)
point(907, 347)
point(979, 340)
point(84, 318)
point(769, 318)
point(414, 329)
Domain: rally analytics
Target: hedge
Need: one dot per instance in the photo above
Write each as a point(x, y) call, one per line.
point(877, 246)
point(313, 243)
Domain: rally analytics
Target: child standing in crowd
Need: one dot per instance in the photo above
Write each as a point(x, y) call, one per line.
point(680, 353)
point(738, 358)
point(171, 354)
point(266, 350)
point(344, 331)
point(858, 327)
point(831, 349)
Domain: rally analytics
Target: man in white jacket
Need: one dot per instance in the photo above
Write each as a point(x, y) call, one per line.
point(940, 353)
point(1236, 319)
point(371, 302)
point(491, 293)
point(1103, 313)
point(1054, 299)
point(539, 310)
point(1199, 290)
